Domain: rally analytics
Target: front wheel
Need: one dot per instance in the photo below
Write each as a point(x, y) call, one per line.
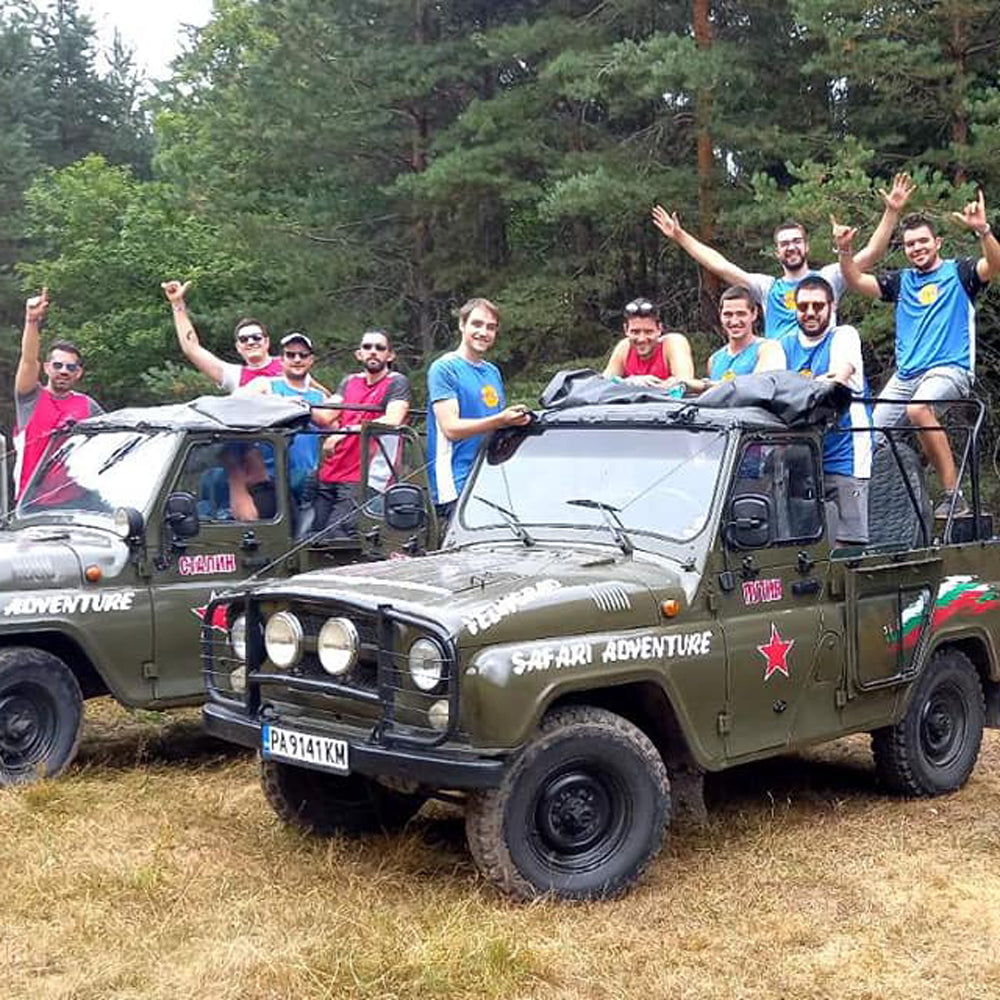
point(328, 804)
point(934, 747)
point(580, 814)
point(41, 715)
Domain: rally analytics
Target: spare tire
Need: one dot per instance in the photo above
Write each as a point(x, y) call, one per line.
point(892, 517)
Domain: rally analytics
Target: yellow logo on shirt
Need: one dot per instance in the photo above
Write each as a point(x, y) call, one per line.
point(806, 373)
point(928, 294)
point(490, 395)
point(790, 299)
point(728, 376)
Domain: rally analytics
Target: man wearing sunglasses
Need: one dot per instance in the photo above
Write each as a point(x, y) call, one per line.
point(776, 296)
point(646, 355)
point(377, 386)
point(819, 349)
point(251, 340)
point(40, 410)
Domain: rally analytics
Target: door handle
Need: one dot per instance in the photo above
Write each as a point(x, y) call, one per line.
point(802, 588)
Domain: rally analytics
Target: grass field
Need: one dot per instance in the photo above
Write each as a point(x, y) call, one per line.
point(154, 869)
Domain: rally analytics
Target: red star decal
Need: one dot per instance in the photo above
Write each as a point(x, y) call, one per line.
point(218, 621)
point(776, 653)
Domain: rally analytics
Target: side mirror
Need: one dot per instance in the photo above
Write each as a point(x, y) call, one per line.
point(181, 515)
point(405, 507)
point(749, 525)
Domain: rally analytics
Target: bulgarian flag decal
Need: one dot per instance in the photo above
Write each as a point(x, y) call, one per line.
point(955, 595)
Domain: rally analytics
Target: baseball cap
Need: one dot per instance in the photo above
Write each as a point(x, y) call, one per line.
point(289, 337)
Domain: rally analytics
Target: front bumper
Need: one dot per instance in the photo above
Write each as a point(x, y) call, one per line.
point(431, 768)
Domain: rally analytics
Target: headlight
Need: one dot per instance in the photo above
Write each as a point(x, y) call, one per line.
point(238, 637)
point(439, 715)
point(337, 646)
point(283, 639)
point(426, 664)
point(127, 522)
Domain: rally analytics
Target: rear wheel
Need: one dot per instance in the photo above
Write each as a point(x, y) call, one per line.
point(580, 814)
point(934, 747)
point(328, 804)
point(41, 715)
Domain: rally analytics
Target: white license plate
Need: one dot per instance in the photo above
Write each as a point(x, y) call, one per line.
point(322, 751)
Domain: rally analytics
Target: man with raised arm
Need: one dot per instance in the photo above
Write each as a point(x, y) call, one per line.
point(465, 402)
point(252, 341)
point(776, 296)
point(935, 330)
point(646, 355)
point(39, 409)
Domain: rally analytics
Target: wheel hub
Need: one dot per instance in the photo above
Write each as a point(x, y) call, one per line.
point(573, 813)
point(27, 727)
point(942, 728)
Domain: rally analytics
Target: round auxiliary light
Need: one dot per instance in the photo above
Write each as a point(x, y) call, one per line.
point(337, 646)
point(426, 664)
point(283, 639)
point(238, 637)
point(438, 715)
point(238, 679)
point(127, 522)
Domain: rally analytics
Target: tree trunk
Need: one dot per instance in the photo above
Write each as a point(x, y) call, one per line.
point(706, 201)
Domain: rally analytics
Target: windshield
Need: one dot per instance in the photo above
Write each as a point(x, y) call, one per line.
point(657, 481)
point(99, 472)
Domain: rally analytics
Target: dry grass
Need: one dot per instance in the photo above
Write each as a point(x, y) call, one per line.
point(155, 870)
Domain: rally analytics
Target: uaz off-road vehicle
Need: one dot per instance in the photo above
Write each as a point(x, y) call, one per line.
point(122, 539)
point(632, 593)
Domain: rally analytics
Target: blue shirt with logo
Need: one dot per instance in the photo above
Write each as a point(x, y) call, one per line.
point(777, 299)
point(723, 366)
point(303, 450)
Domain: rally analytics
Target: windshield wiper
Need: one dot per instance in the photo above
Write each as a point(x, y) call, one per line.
point(119, 453)
point(613, 521)
point(512, 520)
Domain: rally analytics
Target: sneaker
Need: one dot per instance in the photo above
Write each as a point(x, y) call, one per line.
point(944, 506)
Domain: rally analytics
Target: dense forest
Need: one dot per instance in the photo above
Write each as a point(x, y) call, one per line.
point(328, 165)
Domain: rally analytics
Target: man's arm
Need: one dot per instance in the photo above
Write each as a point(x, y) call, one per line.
point(845, 358)
point(201, 357)
point(973, 217)
point(29, 364)
point(615, 368)
point(843, 239)
point(397, 402)
point(712, 260)
point(677, 355)
point(457, 428)
point(894, 200)
point(770, 357)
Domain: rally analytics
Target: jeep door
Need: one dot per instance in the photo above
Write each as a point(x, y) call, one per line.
point(188, 572)
point(772, 604)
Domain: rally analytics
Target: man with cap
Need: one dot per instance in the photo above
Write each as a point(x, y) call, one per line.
point(646, 355)
point(252, 342)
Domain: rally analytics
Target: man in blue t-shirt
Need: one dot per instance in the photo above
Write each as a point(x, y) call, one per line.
point(776, 296)
point(819, 349)
point(935, 331)
point(465, 402)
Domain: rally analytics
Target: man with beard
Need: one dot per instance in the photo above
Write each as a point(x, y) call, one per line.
point(818, 349)
point(377, 386)
point(646, 355)
point(935, 330)
point(253, 344)
point(776, 296)
point(39, 409)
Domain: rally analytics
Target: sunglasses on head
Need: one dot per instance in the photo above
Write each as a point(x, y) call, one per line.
point(70, 366)
point(298, 354)
point(249, 338)
point(370, 345)
point(640, 307)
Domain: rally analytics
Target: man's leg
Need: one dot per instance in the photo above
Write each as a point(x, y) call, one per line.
point(934, 442)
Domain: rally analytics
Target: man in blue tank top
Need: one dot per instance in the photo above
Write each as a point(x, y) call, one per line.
point(818, 349)
point(776, 296)
point(935, 331)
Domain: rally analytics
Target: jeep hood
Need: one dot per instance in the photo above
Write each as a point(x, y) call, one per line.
point(501, 594)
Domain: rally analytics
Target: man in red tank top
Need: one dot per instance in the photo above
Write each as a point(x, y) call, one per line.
point(646, 355)
point(42, 409)
point(253, 344)
point(340, 467)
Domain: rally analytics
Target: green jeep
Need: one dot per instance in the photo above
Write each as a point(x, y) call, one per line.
point(123, 538)
point(632, 593)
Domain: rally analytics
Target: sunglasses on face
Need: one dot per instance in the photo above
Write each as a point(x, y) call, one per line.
point(370, 346)
point(69, 366)
point(641, 307)
point(249, 338)
point(295, 355)
point(812, 307)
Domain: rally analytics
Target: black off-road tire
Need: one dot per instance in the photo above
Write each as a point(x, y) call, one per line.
point(41, 715)
point(934, 747)
point(891, 516)
point(328, 804)
point(580, 814)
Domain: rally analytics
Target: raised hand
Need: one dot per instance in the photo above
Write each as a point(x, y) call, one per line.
point(898, 195)
point(667, 222)
point(175, 291)
point(973, 216)
point(36, 307)
point(843, 236)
